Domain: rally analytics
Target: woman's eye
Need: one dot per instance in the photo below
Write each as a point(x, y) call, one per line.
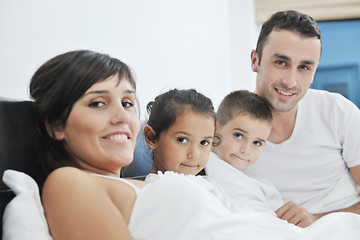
point(182, 140)
point(96, 104)
point(205, 142)
point(127, 104)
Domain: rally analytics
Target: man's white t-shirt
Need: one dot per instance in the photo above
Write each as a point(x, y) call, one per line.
point(311, 167)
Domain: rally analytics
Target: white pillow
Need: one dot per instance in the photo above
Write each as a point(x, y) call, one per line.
point(24, 216)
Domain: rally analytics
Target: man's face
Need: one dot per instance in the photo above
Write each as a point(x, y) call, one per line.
point(287, 68)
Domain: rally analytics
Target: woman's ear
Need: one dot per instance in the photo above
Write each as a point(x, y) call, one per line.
point(149, 135)
point(55, 130)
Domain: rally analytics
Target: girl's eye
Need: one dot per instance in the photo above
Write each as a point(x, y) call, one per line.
point(182, 140)
point(127, 104)
point(257, 143)
point(238, 135)
point(96, 104)
point(205, 142)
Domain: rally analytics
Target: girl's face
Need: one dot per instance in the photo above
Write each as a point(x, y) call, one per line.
point(102, 127)
point(186, 145)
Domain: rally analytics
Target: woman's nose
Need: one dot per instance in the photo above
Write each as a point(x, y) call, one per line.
point(119, 114)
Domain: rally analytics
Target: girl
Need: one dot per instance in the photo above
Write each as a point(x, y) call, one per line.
point(180, 131)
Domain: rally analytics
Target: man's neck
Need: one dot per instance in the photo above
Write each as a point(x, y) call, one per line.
point(282, 126)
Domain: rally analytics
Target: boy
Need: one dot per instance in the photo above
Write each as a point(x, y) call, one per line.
point(243, 123)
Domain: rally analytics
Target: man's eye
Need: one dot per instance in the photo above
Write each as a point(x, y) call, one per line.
point(205, 142)
point(304, 67)
point(96, 104)
point(182, 139)
point(280, 62)
point(127, 104)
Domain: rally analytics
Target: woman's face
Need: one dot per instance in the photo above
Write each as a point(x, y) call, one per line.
point(102, 127)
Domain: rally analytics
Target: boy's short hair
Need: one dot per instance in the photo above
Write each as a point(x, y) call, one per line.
point(243, 102)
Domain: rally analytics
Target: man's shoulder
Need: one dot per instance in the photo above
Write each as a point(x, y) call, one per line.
point(322, 98)
point(316, 93)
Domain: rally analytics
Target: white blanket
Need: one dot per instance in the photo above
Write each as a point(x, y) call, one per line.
point(161, 205)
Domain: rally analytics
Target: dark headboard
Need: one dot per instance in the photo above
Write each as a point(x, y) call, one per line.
point(19, 143)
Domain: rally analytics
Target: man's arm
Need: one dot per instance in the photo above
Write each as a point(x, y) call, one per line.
point(294, 213)
point(355, 172)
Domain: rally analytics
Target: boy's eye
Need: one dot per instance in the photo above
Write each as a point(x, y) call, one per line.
point(238, 135)
point(182, 140)
point(257, 143)
point(205, 142)
point(96, 104)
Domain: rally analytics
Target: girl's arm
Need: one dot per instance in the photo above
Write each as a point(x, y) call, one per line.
point(76, 208)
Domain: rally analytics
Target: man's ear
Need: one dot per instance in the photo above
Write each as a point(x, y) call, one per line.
point(55, 130)
point(254, 61)
point(150, 135)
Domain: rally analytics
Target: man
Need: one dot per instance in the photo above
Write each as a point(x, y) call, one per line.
point(313, 152)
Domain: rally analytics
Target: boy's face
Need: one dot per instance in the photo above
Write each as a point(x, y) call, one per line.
point(186, 145)
point(242, 140)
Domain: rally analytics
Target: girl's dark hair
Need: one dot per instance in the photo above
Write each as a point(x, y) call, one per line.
point(57, 85)
point(290, 20)
point(168, 106)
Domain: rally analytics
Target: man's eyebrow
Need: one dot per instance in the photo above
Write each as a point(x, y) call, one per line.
point(276, 55)
point(307, 62)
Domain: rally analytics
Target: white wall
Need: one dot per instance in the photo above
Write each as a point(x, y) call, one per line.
point(202, 44)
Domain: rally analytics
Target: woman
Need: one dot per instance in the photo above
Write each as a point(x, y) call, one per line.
point(86, 106)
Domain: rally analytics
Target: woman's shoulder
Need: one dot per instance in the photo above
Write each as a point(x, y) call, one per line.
point(65, 176)
point(72, 197)
point(65, 182)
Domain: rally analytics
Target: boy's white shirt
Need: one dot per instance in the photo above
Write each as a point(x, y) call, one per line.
point(212, 187)
point(238, 193)
point(259, 194)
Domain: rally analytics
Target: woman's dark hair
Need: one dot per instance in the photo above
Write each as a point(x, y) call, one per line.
point(290, 20)
point(57, 85)
point(168, 106)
